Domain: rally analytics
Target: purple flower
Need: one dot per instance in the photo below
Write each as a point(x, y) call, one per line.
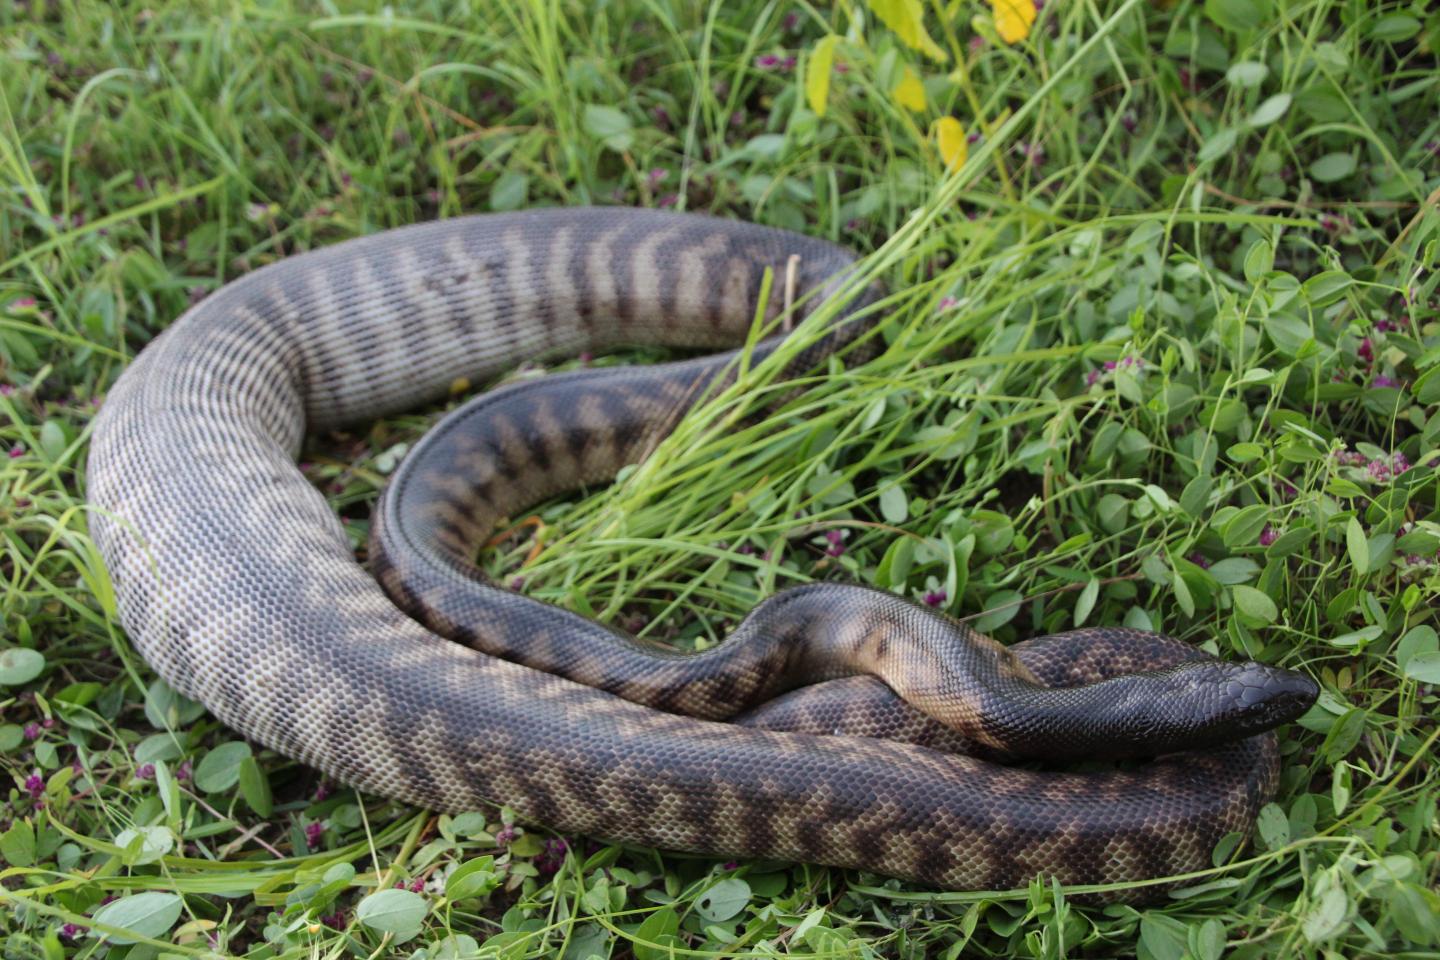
point(976, 45)
point(146, 771)
point(662, 116)
point(506, 835)
point(183, 771)
point(669, 200)
point(31, 731)
point(17, 451)
point(1268, 536)
point(837, 543)
point(1092, 378)
point(934, 598)
point(518, 583)
point(314, 833)
point(1199, 560)
point(72, 931)
point(767, 61)
point(657, 177)
point(22, 303)
point(35, 786)
point(791, 21)
point(553, 858)
point(1379, 471)
point(1366, 351)
point(1129, 121)
point(1383, 381)
point(335, 921)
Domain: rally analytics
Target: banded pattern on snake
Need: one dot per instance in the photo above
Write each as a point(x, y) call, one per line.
point(235, 581)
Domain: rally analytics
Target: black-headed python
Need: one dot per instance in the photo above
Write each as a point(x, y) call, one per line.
point(236, 582)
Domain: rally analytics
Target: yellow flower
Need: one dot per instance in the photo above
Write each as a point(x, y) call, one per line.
point(910, 92)
point(1013, 19)
point(954, 147)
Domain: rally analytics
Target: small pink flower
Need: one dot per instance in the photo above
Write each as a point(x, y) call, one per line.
point(554, 856)
point(35, 786)
point(836, 539)
point(767, 61)
point(946, 303)
point(1199, 560)
point(183, 771)
point(657, 177)
point(335, 921)
point(1383, 381)
point(1268, 536)
point(146, 771)
point(31, 731)
point(72, 931)
point(17, 451)
point(669, 200)
point(506, 835)
point(934, 598)
point(1366, 351)
point(314, 834)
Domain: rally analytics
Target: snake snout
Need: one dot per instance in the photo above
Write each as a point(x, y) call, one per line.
point(1262, 696)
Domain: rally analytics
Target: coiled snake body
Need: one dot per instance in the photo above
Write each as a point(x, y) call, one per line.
point(236, 582)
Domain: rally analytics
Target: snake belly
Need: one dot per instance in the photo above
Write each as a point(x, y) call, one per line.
point(236, 582)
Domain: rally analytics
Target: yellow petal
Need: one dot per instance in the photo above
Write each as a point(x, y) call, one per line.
point(817, 74)
point(910, 92)
point(950, 136)
point(1013, 19)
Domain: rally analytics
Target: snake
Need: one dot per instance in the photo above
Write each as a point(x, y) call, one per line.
point(823, 731)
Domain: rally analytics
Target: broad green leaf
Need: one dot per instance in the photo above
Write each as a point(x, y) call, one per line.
point(1255, 605)
point(1271, 110)
point(658, 935)
point(609, 125)
point(20, 665)
point(145, 915)
point(510, 191)
point(1085, 603)
point(219, 770)
point(1238, 16)
point(400, 912)
point(1332, 167)
point(1424, 667)
point(1357, 546)
point(894, 504)
point(1219, 144)
point(1247, 73)
point(724, 900)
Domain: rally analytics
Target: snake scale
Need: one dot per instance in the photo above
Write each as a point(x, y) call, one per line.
point(236, 582)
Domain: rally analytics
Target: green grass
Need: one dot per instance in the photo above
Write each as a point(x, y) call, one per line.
point(1233, 204)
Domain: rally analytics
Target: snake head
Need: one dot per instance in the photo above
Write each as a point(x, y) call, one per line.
point(1203, 703)
point(1257, 697)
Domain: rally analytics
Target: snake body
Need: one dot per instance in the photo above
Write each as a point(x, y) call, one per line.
point(236, 582)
